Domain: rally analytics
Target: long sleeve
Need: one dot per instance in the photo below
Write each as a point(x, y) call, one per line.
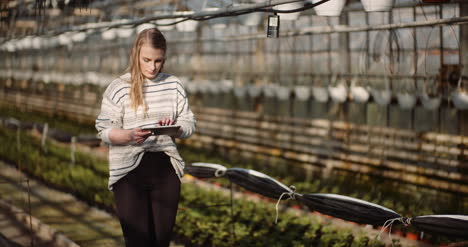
point(111, 111)
point(185, 117)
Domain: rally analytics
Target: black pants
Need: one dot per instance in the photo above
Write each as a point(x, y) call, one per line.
point(146, 201)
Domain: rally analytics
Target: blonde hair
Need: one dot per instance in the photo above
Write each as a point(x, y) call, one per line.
point(155, 39)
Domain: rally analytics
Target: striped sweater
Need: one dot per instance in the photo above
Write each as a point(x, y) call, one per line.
point(165, 97)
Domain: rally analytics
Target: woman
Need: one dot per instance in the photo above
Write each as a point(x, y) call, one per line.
point(145, 169)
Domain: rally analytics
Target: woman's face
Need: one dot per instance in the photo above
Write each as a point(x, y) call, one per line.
point(151, 61)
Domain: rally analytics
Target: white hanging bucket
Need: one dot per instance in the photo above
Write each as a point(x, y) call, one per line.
point(282, 93)
point(430, 103)
point(406, 100)
point(144, 26)
point(320, 94)
point(226, 86)
point(252, 19)
point(338, 94)
point(125, 32)
point(359, 94)
point(109, 34)
point(79, 37)
point(377, 5)
point(192, 87)
point(382, 97)
point(213, 87)
point(269, 90)
point(187, 26)
point(64, 39)
point(459, 97)
point(330, 8)
point(289, 6)
point(240, 91)
point(302, 93)
point(254, 91)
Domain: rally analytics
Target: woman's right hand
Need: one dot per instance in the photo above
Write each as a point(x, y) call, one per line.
point(132, 136)
point(138, 136)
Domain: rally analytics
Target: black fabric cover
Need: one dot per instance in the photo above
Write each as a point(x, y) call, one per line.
point(258, 182)
point(444, 225)
point(204, 170)
point(348, 208)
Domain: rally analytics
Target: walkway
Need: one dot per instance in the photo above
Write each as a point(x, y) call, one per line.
point(84, 225)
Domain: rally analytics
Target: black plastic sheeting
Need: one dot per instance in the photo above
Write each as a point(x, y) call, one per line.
point(343, 207)
point(348, 208)
point(259, 183)
point(444, 225)
point(205, 170)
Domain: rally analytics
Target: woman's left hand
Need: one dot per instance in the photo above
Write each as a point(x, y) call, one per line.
point(166, 121)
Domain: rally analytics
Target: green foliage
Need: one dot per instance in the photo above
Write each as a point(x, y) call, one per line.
point(56, 122)
point(204, 218)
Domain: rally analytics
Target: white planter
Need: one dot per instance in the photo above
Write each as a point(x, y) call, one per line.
point(226, 86)
point(252, 19)
point(213, 87)
point(330, 8)
point(79, 37)
point(282, 93)
point(381, 97)
point(187, 26)
point(460, 100)
point(430, 103)
point(288, 6)
point(302, 93)
point(240, 91)
point(406, 100)
point(338, 93)
point(269, 90)
point(359, 94)
point(125, 32)
point(109, 34)
point(144, 26)
point(377, 5)
point(320, 94)
point(192, 87)
point(254, 91)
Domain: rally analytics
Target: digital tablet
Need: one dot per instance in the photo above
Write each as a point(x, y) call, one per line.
point(164, 130)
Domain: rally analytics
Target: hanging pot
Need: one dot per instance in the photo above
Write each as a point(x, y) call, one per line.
point(302, 92)
point(330, 8)
point(252, 19)
point(338, 93)
point(240, 91)
point(377, 5)
point(381, 97)
point(429, 102)
point(269, 90)
point(460, 97)
point(282, 93)
point(185, 26)
point(289, 6)
point(406, 100)
point(358, 93)
point(226, 86)
point(320, 94)
point(254, 91)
